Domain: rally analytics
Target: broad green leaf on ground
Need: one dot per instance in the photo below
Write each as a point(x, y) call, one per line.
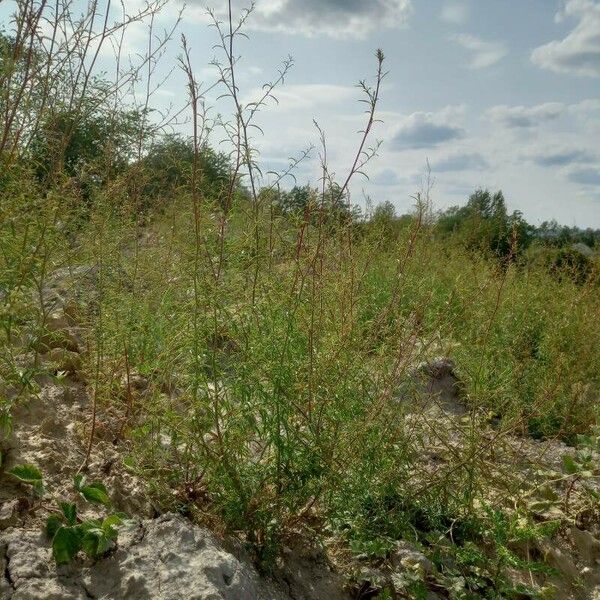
point(78, 481)
point(111, 522)
point(53, 524)
point(95, 542)
point(95, 492)
point(569, 464)
point(27, 474)
point(66, 544)
point(69, 510)
point(38, 489)
point(31, 475)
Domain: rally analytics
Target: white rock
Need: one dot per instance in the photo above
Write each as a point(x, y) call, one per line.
point(164, 559)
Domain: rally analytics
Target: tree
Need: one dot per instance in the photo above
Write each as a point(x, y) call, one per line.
point(569, 263)
point(91, 145)
point(22, 94)
point(167, 166)
point(484, 224)
point(384, 213)
point(331, 205)
point(384, 220)
point(296, 200)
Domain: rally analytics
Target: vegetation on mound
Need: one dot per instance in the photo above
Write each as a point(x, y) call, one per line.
point(277, 333)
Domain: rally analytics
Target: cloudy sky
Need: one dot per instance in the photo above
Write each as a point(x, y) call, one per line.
point(492, 93)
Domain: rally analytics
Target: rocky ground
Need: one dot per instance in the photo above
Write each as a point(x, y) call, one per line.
point(158, 557)
point(165, 556)
point(162, 558)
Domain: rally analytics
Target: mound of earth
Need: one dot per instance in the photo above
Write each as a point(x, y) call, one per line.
point(157, 557)
point(166, 557)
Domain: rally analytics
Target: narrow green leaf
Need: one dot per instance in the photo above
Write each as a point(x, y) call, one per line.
point(6, 421)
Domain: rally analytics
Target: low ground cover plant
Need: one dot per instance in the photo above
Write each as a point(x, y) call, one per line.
point(67, 531)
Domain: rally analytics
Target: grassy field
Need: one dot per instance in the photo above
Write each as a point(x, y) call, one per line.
point(258, 361)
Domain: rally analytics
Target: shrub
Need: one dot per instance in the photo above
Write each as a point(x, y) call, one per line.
point(571, 264)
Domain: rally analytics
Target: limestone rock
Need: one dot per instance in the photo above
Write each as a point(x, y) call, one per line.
point(305, 571)
point(65, 360)
point(587, 545)
point(407, 557)
point(165, 559)
point(9, 512)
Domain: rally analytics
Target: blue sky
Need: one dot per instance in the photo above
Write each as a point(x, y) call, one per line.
point(492, 93)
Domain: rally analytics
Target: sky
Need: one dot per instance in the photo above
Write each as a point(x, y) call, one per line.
point(489, 93)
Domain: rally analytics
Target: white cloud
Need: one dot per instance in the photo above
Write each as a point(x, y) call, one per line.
point(588, 176)
point(455, 12)
point(516, 117)
point(460, 162)
point(333, 18)
point(557, 157)
point(583, 114)
point(579, 52)
point(386, 177)
point(421, 130)
point(306, 96)
point(485, 54)
point(589, 105)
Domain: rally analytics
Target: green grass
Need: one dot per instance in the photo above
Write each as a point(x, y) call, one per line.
point(274, 375)
point(285, 390)
point(279, 335)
